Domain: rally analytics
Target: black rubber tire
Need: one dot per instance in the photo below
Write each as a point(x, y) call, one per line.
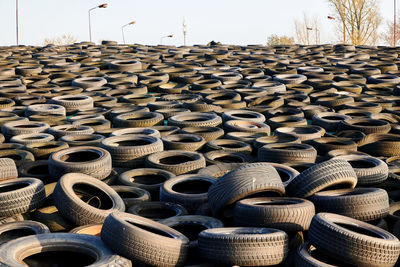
point(82, 140)
point(138, 119)
point(13, 252)
point(365, 125)
point(14, 128)
point(20, 196)
point(244, 246)
point(286, 173)
point(72, 103)
point(369, 170)
point(134, 153)
point(19, 156)
point(228, 145)
point(240, 114)
point(208, 133)
point(195, 119)
point(308, 256)
point(189, 226)
point(93, 161)
point(189, 190)
point(337, 236)
point(146, 131)
point(287, 153)
point(75, 209)
point(329, 120)
point(69, 129)
point(188, 142)
point(131, 195)
point(244, 181)
point(322, 176)
point(147, 241)
point(219, 170)
point(246, 126)
point(283, 213)
point(17, 229)
point(222, 156)
point(31, 138)
point(325, 144)
point(364, 204)
point(157, 210)
point(43, 150)
point(36, 169)
point(176, 161)
point(8, 169)
point(146, 178)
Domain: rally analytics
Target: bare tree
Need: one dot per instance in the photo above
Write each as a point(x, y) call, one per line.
point(279, 40)
point(307, 30)
point(62, 40)
point(358, 20)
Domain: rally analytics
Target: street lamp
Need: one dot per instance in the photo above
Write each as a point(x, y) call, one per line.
point(344, 28)
point(184, 30)
point(16, 17)
point(122, 28)
point(90, 26)
point(166, 36)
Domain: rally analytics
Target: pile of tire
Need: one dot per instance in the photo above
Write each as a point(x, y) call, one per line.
point(217, 155)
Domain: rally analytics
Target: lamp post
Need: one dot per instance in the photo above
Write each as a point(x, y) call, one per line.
point(184, 30)
point(16, 17)
point(90, 26)
point(122, 28)
point(344, 28)
point(166, 36)
point(394, 23)
point(308, 29)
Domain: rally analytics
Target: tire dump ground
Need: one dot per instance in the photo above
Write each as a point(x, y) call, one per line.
point(207, 155)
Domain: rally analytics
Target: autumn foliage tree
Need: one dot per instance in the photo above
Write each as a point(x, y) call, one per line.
point(307, 30)
point(279, 40)
point(64, 39)
point(357, 20)
point(388, 34)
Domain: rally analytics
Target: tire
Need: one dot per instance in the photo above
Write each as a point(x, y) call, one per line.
point(145, 131)
point(329, 120)
point(244, 181)
point(146, 178)
point(369, 170)
point(176, 161)
point(45, 109)
point(82, 140)
point(93, 161)
point(75, 209)
point(364, 204)
point(95, 124)
point(281, 138)
point(195, 119)
point(20, 156)
point(73, 103)
point(228, 145)
point(219, 170)
point(141, 239)
point(13, 252)
point(13, 230)
point(287, 153)
point(157, 210)
point(286, 173)
point(31, 138)
point(138, 119)
point(208, 133)
point(353, 241)
point(20, 195)
point(244, 246)
point(192, 225)
point(381, 145)
point(14, 128)
point(167, 130)
point(130, 151)
point(131, 195)
point(365, 125)
point(246, 126)
point(36, 169)
point(69, 130)
point(334, 172)
point(188, 142)
point(89, 82)
point(305, 133)
point(325, 144)
point(286, 121)
point(243, 115)
point(190, 190)
point(308, 256)
point(222, 156)
point(8, 169)
point(42, 150)
point(283, 213)
point(125, 65)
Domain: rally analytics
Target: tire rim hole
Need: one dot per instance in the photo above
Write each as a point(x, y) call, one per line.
point(192, 187)
point(14, 234)
point(93, 196)
point(64, 258)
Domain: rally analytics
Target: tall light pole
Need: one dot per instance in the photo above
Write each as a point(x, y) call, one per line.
point(166, 36)
point(16, 17)
point(184, 30)
point(394, 23)
point(90, 26)
point(122, 28)
point(344, 28)
point(308, 29)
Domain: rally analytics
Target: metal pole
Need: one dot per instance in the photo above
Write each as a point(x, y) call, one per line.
point(394, 25)
point(16, 16)
point(184, 31)
point(344, 33)
point(90, 27)
point(123, 36)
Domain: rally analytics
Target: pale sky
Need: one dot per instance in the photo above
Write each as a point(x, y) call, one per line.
point(228, 21)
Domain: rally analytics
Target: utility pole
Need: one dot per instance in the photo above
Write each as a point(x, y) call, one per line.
point(394, 24)
point(16, 16)
point(184, 31)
